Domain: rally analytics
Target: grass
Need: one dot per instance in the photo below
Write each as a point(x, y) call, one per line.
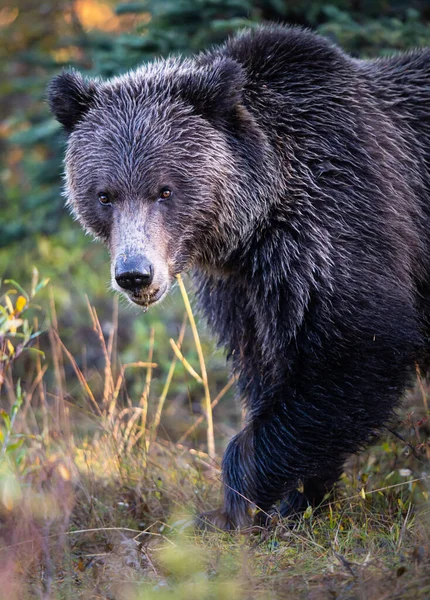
point(100, 482)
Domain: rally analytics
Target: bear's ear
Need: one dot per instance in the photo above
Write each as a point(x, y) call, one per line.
point(214, 89)
point(70, 96)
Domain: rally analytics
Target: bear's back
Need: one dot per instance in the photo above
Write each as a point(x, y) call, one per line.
point(402, 85)
point(281, 57)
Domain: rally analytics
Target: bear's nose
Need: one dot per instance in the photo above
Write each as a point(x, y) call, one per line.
point(134, 274)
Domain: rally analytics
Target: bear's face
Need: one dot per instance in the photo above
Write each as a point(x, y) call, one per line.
point(150, 168)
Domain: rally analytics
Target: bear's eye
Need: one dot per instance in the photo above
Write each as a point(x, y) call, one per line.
point(104, 199)
point(165, 194)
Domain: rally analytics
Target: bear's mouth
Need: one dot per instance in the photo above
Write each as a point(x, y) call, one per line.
point(145, 298)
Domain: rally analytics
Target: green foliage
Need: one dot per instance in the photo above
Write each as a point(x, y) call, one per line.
point(375, 36)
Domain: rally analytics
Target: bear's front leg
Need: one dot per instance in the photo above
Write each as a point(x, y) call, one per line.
point(265, 463)
point(256, 473)
point(238, 474)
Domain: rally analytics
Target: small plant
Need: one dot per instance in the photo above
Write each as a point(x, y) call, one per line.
point(17, 335)
point(6, 436)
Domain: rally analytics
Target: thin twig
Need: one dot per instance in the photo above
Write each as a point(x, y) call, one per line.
point(112, 335)
point(184, 361)
point(93, 530)
point(120, 381)
point(408, 444)
point(210, 432)
point(79, 374)
point(145, 394)
point(108, 380)
point(201, 418)
point(162, 399)
point(403, 529)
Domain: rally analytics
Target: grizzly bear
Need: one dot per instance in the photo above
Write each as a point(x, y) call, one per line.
point(294, 182)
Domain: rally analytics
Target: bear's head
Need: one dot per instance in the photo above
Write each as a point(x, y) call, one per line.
point(162, 165)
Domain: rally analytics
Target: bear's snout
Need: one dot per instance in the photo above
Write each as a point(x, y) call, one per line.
point(143, 279)
point(133, 273)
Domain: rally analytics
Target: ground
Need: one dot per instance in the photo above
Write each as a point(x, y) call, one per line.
point(97, 497)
